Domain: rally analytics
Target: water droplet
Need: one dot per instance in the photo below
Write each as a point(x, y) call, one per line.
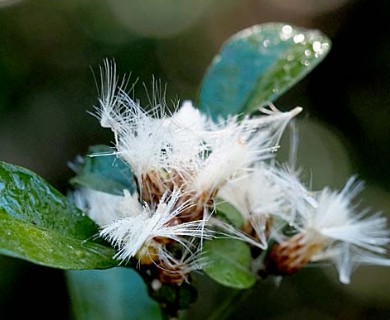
point(290, 57)
point(317, 46)
point(286, 32)
point(156, 284)
point(299, 38)
point(287, 29)
point(266, 43)
point(308, 53)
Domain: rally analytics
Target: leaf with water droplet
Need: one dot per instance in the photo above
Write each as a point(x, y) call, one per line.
point(23, 240)
point(257, 65)
point(229, 263)
point(103, 171)
point(39, 224)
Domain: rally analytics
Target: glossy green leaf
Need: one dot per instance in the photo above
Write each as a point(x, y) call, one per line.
point(27, 197)
point(257, 65)
point(26, 241)
point(39, 224)
point(103, 171)
point(118, 294)
point(230, 262)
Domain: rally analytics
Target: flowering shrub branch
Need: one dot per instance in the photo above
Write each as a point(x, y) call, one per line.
point(179, 189)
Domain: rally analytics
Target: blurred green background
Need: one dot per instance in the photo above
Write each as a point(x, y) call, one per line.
point(49, 51)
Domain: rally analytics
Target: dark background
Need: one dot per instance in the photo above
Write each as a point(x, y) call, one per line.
point(48, 49)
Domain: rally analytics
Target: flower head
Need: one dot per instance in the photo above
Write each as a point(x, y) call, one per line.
point(334, 230)
point(146, 231)
point(258, 198)
point(264, 195)
point(236, 146)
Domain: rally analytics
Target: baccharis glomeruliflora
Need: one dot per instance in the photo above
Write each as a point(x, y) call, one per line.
point(183, 161)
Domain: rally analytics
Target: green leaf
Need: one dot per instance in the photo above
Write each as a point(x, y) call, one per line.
point(117, 293)
point(230, 262)
point(27, 197)
point(227, 211)
point(39, 224)
point(23, 240)
point(103, 171)
point(257, 65)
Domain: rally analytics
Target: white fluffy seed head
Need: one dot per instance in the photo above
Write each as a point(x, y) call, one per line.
point(350, 237)
point(130, 234)
point(235, 146)
point(187, 141)
point(265, 193)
